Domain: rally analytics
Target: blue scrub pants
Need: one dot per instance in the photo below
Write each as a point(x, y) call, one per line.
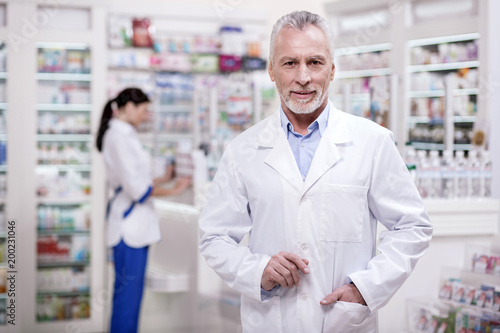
point(130, 267)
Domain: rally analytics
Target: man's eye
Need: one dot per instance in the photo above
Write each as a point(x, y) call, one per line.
point(315, 62)
point(289, 63)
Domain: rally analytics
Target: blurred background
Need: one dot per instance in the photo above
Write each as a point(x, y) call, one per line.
point(426, 69)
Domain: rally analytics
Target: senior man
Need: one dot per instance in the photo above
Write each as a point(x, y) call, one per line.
point(308, 184)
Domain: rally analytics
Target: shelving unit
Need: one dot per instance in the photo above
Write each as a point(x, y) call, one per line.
point(363, 82)
point(467, 298)
point(63, 248)
point(57, 105)
point(436, 66)
point(184, 76)
point(443, 78)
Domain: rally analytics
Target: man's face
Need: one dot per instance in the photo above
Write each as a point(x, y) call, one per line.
point(302, 69)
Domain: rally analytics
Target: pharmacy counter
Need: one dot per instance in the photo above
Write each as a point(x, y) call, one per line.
point(170, 298)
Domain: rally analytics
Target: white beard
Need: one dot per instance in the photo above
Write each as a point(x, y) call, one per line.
point(306, 106)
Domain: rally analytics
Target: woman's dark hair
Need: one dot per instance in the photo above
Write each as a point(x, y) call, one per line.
point(134, 95)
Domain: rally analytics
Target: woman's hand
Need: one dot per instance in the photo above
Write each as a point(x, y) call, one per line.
point(168, 176)
point(181, 185)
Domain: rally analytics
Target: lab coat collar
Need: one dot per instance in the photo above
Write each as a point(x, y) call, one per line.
point(337, 128)
point(327, 154)
point(122, 126)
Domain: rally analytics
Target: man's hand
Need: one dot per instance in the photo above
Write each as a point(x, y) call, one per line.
point(347, 293)
point(283, 269)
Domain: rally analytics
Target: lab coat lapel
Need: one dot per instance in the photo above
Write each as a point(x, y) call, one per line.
point(281, 157)
point(327, 153)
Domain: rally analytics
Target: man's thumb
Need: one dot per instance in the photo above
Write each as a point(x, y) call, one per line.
point(330, 298)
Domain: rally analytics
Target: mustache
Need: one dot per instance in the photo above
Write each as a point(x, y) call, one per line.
point(303, 90)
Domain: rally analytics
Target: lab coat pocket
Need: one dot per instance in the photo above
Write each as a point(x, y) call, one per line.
point(345, 317)
point(343, 208)
point(257, 316)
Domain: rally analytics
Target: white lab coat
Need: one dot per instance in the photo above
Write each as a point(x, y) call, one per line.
point(128, 165)
point(356, 178)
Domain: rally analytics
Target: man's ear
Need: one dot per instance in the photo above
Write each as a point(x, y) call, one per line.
point(333, 72)
point(270, 70)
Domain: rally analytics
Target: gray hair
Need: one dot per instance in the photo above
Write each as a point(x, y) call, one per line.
point(299, 20)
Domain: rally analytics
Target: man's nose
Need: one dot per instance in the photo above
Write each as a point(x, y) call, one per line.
point(303, 75)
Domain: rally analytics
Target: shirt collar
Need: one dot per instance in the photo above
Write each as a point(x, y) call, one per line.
point(320, 123)
point(121, 126)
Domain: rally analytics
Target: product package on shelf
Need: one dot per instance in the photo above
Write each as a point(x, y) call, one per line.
point(63, 153)
point(204, 63)
point(62, 60)
point(62, 184)
point(64, 93)
point(174, 87)
point(468, 299)
point(450, 176)
point(119, 31)
point(63, 249)
point(56, 123)
point(466, 50)
point(67, 217)
point(52, 308)
point(184, 167)
point(142, 31)
point(63, 279)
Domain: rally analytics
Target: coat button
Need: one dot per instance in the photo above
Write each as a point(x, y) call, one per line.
point(303, 247)
point(303, 297)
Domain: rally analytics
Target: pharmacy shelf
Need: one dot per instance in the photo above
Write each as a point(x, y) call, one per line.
point(3, 75)
point(438, 146)
point(67, 167)
point(363, 49)
point(3, 106)
point(443, 39)
point(363, 73)
point(63, 107)
point(3, 296)
point(64, 77)
point(3, 137)
point(441, 93)
point(150, 137)
point(131, 69)
point(62, 232)
point(63, 293)
point(174, 137)
point(3, 168)
point(174, 108)
point(64, 137)
point(59, 45)
point(63, 201)
point(63, 264)
point(464, 119)
point(428, 120)
point(443, 67)
point(463, 217)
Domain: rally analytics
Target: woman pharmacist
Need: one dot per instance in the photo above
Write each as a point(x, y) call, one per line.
point(132, 224)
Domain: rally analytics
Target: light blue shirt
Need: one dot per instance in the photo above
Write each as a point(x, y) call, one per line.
point(304, 146)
